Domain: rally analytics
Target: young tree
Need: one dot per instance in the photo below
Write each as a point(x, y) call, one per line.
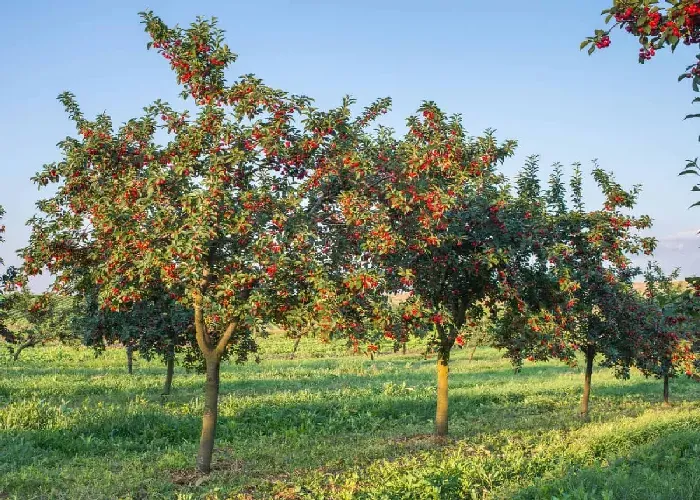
point(221, 215)
point(7, 284)
point(666, 346)
point(429, 215)
point(31, 320)
point(597, 312)
point(156, 326)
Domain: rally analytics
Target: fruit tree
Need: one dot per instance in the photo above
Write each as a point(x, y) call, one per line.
point(596, 312)
point(430, 215)
point(666, 346)
point(216, 207)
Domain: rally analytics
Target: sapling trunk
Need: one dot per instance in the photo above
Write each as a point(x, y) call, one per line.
point(666, 390)
point(403, 346)
point(441, 414)
point(211, 411)
point(471, 355)
point(296, 346)
point(22, 347)
point(590, 355)
point(130, 359)
point(169, 371)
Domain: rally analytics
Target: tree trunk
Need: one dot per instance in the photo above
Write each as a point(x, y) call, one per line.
point(22, 347)
point(666, 390)
point(471, 355)
point(442, 385)
point(211, 410)
point(130, 359)
point(170, 369)
point(296, 346)
point(590, 355)
point(404, 348)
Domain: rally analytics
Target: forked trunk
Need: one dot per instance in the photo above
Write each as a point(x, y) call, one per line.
point(169, 371)
point(590, 355)
point(211, 411)
point(442, 385)
point(130, 359)
point(666, 390)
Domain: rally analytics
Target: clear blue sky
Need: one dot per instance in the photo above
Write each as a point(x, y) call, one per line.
point(511, 65)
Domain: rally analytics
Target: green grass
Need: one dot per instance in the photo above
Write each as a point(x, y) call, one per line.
point(332, 425)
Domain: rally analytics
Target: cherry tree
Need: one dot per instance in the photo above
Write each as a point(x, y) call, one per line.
point(596, 311)
point(30, 320)
point(666, 347)
point(656, 27)
point(221, 213)
point(157, 326)
point(430, 215)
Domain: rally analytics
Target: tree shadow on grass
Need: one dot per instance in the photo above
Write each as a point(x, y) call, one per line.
point(649, 391)
point(75, 383)
point(290, 419)
point(270, 437)
point(504, 467)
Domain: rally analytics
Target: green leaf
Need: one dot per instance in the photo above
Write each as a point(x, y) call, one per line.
point(591, 50)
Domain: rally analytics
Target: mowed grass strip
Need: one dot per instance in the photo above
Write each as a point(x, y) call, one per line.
point(332, 425)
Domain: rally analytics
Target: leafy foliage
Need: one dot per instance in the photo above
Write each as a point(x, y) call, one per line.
point(155, 327)
point(2, 229)
point(30, 320)
point(219, 215)
point(590, 258)
point(668, 344)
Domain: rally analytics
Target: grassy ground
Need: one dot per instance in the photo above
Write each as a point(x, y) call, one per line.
point(72, 426)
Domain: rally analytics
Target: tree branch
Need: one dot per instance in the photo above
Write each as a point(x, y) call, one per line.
point(201, 332)
point(225, 339)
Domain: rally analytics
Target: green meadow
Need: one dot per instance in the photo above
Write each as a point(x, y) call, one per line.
point(332, 425)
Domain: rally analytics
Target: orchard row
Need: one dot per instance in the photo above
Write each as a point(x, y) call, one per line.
point(261, 209)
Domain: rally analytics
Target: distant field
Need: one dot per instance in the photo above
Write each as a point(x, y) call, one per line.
point(640, 286)
point(332, 425)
